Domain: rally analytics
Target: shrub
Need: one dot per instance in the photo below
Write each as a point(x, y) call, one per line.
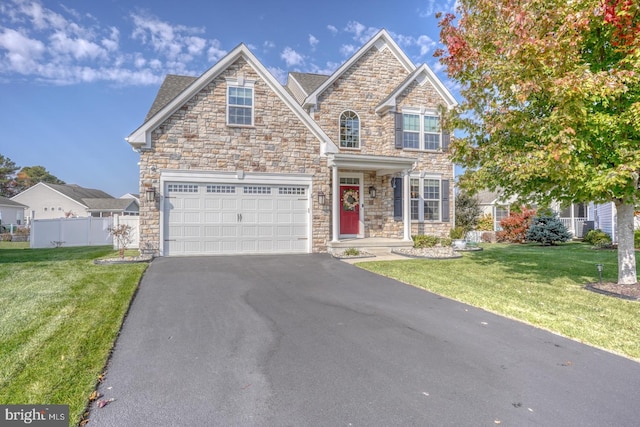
point(485, 223)
point(351, 252)
point(467, 211)
point(122, 235)
point(597, 238)
point(457, 233)
point(425, 241)
point(515, 226)
point(547, 230)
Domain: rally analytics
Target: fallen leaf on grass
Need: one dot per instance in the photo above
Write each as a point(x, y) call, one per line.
point(94, 395)
point(102, 403)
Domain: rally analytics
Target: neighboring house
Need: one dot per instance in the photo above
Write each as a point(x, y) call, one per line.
point(11, 212)
point(133, 196)
point(494, 204)
point(233, 162)
point(577, 217)
point(46, 201)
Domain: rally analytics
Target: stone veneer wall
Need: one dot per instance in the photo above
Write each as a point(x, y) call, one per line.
point(361, 89)
point(197, 138)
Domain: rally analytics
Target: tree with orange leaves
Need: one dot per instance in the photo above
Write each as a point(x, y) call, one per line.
point(552, 102)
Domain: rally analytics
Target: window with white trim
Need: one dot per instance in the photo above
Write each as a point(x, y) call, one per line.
point(421, 131)
point(240, 105)
point(349, 130)
point(426, 199)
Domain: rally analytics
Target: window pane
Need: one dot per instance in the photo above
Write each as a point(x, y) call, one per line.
point(432, 189)
point(431, 210)
point(431, 124)
point(349, 130)
point(411, 122)
point(414, 188)
point(431, 141)
point(239, 115)
point(411, 140)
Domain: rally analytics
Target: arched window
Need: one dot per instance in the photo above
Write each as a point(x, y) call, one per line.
point(349, 130)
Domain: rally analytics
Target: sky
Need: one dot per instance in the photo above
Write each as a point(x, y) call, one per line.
point(78, 76)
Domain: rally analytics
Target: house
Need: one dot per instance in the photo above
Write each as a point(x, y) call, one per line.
point(11, 212)
point(47, 201)
point(578, 218)
point(494, 204)
point(234, 162)
point(133, 196)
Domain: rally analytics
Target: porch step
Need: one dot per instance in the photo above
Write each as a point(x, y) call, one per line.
point(371, 244)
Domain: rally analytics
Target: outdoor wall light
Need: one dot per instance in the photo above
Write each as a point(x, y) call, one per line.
point(321, 198)
point(150, 194)
point(372, 192)
point(599, 267)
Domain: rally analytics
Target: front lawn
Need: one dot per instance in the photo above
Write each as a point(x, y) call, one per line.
point(59, 317)
point(543, 286)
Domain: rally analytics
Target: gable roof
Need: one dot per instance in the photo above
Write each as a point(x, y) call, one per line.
point(170, 88)
point(422, 75)
point(141, 137)
point(108, 204)
point(77, 193)
point(10, 203)
point(306, 82)
point(381, 40)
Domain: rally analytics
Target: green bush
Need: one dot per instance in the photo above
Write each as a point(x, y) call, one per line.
point(547, 230)
point(457, 233)
point(351, 252)
point(636, 239)
point(425, 241)
point(597, 238)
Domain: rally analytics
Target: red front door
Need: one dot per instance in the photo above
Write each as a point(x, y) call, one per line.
point(349, 209)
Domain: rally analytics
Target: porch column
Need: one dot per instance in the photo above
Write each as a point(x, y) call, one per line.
point(335, 204)
point(406, 205)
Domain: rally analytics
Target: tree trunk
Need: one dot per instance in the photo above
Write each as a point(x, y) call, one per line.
point(626, 251)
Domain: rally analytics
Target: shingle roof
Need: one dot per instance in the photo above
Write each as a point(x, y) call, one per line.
point(309, 81)
point(8, 202)
point(78, 193)
point(107, 204)
point(171, 87)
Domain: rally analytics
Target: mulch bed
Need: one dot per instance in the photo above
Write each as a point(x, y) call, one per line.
point(630, 292)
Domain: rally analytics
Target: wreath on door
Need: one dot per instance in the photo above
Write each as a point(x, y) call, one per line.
point(350, 199)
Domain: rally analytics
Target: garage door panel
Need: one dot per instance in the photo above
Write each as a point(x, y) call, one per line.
point(225, 219)
point(191, 218)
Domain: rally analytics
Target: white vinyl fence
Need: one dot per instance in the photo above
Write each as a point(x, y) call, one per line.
point(87, 231)
point(133, 222)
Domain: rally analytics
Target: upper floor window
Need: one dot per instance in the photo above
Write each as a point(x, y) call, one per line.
point(349, 130)
point(240, 105)
point(421, 132)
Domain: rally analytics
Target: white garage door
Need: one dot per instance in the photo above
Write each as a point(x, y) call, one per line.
point(212, 219)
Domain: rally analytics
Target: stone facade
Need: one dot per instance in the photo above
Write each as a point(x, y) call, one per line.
point(196, 137)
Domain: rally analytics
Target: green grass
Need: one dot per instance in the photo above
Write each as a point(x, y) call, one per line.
point(59, 317)
point(542, 286)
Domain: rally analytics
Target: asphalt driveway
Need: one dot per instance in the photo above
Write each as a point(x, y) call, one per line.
point(311, 341)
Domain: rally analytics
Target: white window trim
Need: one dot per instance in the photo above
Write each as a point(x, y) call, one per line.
point(421, 177)
point(240, 82)
point(359, 133)
point(422, 113)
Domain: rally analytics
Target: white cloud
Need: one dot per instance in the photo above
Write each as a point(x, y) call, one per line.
point(22, 53)
point(68, 46)
point(268, 45)
point(333, 30)
point(313, 41)
point(215, 51)
point(291, 57)
point(360, 32)
point(424, 43)
point(280, 74)
point(347, 49)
